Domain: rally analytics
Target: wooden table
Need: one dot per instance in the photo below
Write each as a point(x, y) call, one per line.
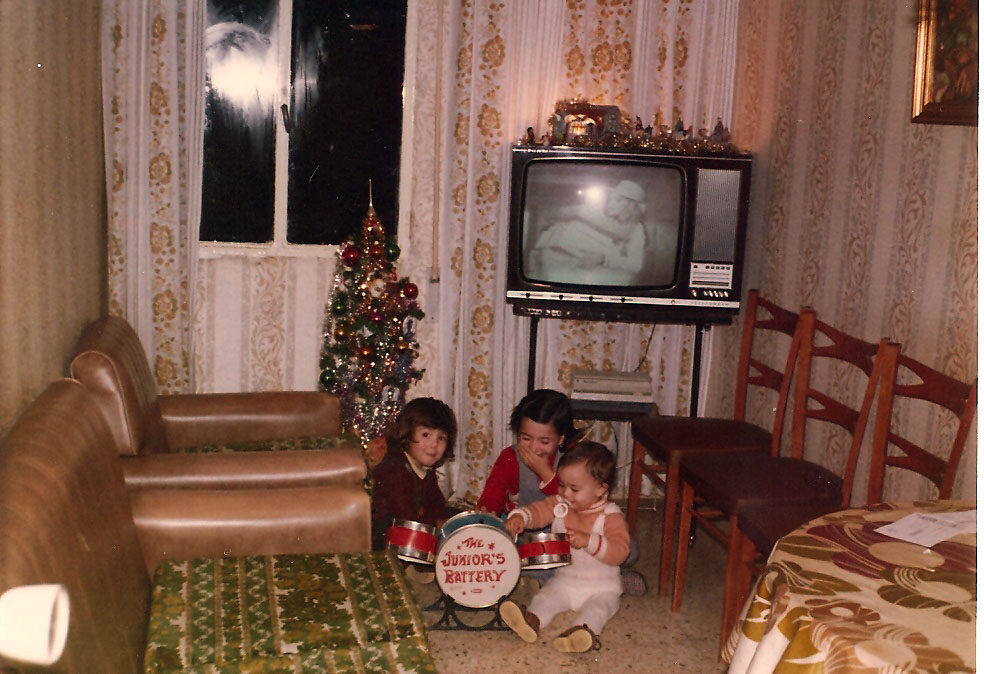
point(837, 596)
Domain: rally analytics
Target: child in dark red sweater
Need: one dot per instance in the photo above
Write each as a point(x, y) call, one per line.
point(405, 483)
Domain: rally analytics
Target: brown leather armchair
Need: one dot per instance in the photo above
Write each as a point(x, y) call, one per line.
point(65, 517)
point(162, 437)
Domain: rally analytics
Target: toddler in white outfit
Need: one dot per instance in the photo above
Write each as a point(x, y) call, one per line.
point(591, 584)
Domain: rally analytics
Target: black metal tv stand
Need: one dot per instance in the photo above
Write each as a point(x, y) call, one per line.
point(615, 414)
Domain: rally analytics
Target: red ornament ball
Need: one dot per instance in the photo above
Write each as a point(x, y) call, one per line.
point(376, 251)
point(351, 255)
point(410, 290)
point(375, 315)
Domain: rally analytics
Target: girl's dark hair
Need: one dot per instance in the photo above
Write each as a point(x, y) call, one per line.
point(598, 459)
point(429, 412)
point(546, 406)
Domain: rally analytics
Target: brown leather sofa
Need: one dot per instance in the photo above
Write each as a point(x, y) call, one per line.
point(215, 440)
point(65, 517)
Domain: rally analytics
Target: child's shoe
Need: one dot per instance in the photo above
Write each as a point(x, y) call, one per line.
point(520, 621)
point(418, 575)
point(634, 583)
point(578, 639)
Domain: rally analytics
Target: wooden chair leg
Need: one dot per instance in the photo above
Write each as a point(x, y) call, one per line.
point(732, 579)
point(746, 576)
point(671, 503)
point(635, 486)
point(683, 543)
point(740, 588)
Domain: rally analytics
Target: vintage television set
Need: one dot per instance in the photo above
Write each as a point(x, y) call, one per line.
point(625, 235)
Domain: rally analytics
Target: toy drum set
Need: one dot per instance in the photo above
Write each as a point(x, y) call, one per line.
point(476, 562)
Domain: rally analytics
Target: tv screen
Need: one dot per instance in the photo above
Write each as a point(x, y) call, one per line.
point(608, 234)
point(595, 223)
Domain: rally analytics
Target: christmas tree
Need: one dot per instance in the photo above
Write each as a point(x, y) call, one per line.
point(370, 322)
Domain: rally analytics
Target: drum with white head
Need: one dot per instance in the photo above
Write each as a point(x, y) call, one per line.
point(477, 563)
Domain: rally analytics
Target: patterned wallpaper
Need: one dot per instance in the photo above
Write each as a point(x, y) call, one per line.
point(867, 217)
point(52, 197)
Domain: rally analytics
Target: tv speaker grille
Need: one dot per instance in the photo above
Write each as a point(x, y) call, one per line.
point(716, 220)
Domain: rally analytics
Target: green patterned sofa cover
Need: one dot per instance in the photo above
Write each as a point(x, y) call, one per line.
point(312, 442)
point(351, 612)
point(307, 442)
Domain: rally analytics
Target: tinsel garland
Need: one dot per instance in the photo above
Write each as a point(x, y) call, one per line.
point(604, 127)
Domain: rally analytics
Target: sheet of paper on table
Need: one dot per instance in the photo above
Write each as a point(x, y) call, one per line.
point(928, 529)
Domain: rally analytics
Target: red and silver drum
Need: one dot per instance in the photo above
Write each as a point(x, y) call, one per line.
point(412, 541)
point(477, 563)
point(543, 550)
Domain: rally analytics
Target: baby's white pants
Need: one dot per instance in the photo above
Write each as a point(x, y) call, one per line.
point(594, 608)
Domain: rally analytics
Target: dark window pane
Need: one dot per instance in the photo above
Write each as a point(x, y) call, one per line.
point(346, 110)
point(240, 90)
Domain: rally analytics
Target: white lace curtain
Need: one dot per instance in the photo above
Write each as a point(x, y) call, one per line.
point(481, 73)
point(153, 82)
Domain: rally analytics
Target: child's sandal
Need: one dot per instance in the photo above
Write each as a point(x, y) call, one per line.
point(519, 620)
point(578, 639)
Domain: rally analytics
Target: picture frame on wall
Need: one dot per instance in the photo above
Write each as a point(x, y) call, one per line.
point(946, 85)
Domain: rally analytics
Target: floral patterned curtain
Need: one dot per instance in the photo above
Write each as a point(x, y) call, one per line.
point(482, 72)
point(153, 82)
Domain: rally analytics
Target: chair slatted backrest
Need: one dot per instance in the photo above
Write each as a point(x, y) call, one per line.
point(936, 388)
point(812, 403)
point(809, 402)
point(763, 316)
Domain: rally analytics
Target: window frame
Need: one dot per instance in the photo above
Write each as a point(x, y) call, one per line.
point(279, 246)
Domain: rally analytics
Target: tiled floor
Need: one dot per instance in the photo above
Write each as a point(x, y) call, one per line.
point(643, 637)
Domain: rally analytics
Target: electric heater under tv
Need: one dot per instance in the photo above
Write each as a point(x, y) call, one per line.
point(626, 236)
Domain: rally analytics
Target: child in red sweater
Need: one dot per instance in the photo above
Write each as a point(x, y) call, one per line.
point(543, 424)
point(591, 584)
point(405, 483)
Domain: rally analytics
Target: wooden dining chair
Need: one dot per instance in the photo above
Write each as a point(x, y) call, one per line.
point(669, 438)
point(761, 525)
point(912, 380)
point(729, 482)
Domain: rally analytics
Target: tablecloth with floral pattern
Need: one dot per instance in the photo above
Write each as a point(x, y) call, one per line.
point(836, 596)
